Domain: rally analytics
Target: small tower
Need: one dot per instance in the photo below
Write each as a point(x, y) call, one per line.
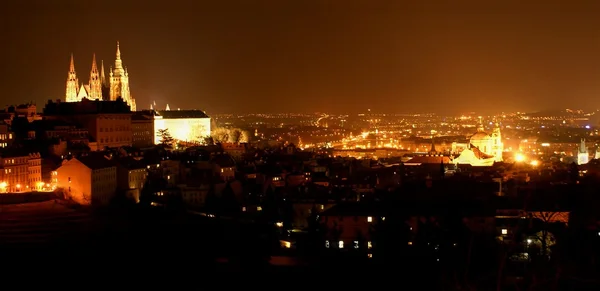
point(119, 82)
point(582, 154)
point(104, 83)
point(480, 125)
point(95, 82)
point(432, 151)
point(72, 83)
point(497, 144)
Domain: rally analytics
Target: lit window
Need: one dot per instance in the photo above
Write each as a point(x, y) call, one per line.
point(258, 208)
point(341, 244)
point(369, 219)
point(356, 244)
point(369, 245)
point(327, 244)
point(410, 243)
point(504, 231)
point(370, 255)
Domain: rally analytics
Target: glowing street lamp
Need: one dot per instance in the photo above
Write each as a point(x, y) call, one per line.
point(519, 157)
point(535, 163)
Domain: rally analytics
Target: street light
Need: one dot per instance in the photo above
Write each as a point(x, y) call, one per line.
point(519, 157)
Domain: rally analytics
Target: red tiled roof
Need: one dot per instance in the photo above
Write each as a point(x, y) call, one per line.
point(479, 154)
point(429, 160)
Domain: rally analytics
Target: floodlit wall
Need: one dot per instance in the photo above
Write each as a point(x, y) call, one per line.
point(183, 129)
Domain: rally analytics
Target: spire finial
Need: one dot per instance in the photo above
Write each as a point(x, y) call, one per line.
point(118, 51)
point(72, 65)
point(480, 125)
point(102, 76)
point(94, 66)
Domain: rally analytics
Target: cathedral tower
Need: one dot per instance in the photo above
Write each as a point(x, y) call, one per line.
point(583, 156)
point(497, 145)
point(119, 82)
point(72, 83)
point(95, 82)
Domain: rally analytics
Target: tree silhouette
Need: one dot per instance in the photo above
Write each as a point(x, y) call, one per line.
point(235, 135)
point(211, 203)
point(208, 140)
point(229, 203)
point(220, 135)
point(287, 213)
point(389, 238)
point(573, 172)
point(166, 140)
point(269, 206)
point(316, 231)
point(442, 169)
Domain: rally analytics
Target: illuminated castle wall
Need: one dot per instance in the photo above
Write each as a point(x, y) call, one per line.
point(183, 125)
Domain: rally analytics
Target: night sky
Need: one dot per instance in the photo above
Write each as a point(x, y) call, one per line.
point(306, 56)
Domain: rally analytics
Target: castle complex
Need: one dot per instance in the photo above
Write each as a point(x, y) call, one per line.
point(97, 88)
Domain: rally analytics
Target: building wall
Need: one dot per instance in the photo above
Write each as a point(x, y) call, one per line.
point(103, 185)
point(20, 173)
point(35, 173)
point(132, 178)
point(75, 179)
point(142, 133)
point(114, 130)
point(183, 129)
point(108, 130)
point(6, 136)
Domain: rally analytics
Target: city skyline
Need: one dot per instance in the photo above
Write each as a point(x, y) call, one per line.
point(315, 56)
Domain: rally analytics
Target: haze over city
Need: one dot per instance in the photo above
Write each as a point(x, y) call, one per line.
point(307, 56)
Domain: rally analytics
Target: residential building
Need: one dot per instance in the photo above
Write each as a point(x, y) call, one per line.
point(88, 180)
point(131, 177)
point(21, 171)
point(6, 136)
point(108, 122)
point(142, 127)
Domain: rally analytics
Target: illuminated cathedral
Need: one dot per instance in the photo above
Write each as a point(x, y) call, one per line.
point(98, 88)
point(484, 149)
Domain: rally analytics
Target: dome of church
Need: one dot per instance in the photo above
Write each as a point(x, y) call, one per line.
point(480, 135)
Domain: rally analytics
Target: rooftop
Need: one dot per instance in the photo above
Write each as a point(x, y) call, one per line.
point(96, 162)
point(172, 114)
point(86, 106)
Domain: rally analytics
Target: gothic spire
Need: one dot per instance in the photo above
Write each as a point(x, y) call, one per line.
point(102, 75)
point(118, 62)
point(72, 66)
point(94, 66)
point(118, 51)
point(95, 87)
point(72, 83)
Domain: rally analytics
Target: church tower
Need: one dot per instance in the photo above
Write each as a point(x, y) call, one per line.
point(104, 83)
point(497, 145)
point(119, 82)
point(72, 83)
point(95, 82)
point(582, 154)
